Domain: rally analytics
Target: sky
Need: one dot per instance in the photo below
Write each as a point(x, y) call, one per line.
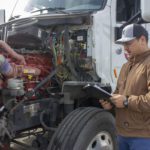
point(8, 6)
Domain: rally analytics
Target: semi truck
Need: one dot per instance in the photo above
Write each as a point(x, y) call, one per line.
point(70, 52)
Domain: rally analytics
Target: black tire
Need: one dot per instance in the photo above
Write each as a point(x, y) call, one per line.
point(80, 129)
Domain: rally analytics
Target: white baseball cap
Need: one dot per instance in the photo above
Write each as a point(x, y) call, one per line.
point(131, 32)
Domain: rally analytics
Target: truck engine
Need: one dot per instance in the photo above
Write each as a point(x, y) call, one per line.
point(26, 77)
point(53, 54)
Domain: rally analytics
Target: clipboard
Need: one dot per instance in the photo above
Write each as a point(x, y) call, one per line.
point(97, 92)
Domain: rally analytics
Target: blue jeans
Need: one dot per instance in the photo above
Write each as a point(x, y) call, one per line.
point(133, 143)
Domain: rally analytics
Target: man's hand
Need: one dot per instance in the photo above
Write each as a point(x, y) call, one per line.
point(118, 100)
point(106, 105)
point(12, 53)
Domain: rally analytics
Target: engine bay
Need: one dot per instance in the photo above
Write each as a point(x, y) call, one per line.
point(53, 54)
point(44, 49)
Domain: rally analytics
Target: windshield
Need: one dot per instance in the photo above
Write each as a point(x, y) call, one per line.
point(24, 7)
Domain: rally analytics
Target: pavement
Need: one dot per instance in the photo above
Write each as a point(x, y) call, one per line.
point(27, 141)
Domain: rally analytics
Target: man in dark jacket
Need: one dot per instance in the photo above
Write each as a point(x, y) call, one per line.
point(132, 94)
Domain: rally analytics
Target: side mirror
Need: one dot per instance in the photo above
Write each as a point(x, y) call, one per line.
point(2, 16)
point(145, 10)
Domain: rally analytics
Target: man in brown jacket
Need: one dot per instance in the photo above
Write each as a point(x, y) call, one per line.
point(132, 94)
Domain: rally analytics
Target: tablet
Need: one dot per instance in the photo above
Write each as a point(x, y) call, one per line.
point(95, 91)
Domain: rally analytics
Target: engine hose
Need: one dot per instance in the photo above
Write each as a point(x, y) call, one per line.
point(42, 120)
point(67, 49)
point(29, 94)
point(46, 79)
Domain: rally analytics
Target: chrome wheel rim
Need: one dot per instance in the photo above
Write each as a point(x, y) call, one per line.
point(102, 141)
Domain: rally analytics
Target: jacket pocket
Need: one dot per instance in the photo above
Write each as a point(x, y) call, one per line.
point(129, 119)
point(136, 120)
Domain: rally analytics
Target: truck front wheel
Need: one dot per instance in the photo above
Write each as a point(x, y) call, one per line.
point(85, 129)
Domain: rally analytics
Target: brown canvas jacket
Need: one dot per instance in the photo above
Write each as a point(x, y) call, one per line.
point(134, 81)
